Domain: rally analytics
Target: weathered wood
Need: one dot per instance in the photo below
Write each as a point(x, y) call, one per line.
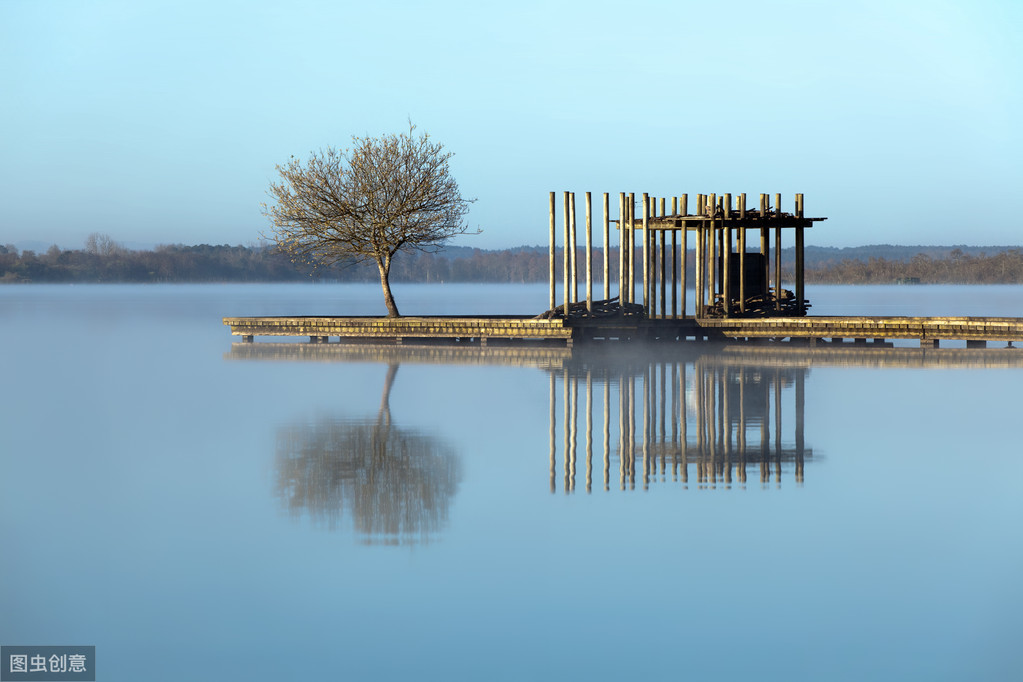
point(777, 255)
point(684, 255)
point(632, 244)
point(800, 278)
point(876, 327)
point(567, 262)
point(698, 264)
point(713, 253)
point(552, 260)
point(607, 247)
point(622, 277)
point(574, 251)
point(662, 255)
point(589, 255)
point(318, 329)
point(742, 255)
point(726, 275)
point(674, 262)
point(646, 251)
point(765, 244)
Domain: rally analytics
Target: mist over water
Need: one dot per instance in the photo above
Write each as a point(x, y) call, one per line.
point(200, 509)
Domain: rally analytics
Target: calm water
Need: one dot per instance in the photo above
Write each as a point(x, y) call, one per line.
point(199, 510)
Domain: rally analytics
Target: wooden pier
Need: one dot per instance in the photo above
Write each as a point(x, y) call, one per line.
point(400, 330)
point(736, 279)
point(931, 331)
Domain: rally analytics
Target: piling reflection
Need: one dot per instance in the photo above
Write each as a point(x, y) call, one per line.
point(708, 421)
point(395, 484)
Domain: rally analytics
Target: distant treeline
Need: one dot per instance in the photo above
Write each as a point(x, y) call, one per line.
point(103, 260)
point(958, 267)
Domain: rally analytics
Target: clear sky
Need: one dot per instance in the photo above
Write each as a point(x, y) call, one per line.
point(161, 122)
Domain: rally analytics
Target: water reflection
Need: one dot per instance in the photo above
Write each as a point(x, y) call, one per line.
point(718, 418)
point(706, 415)
point(396, 484)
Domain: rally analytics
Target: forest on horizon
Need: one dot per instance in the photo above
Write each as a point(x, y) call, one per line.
point(103, 260)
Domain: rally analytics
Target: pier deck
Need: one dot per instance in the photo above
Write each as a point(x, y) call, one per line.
point(976, 331)
point(399, 330)
point(930, 331)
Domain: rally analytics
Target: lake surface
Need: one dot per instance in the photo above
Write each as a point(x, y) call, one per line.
point(198, 509)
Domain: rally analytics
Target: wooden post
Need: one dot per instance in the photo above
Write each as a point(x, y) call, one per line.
point(765, 243)
point(574, 256)
point(684, 255)
point(646, 253)
point(552, 261)
point(664, 297)
point(719, 271)
point(674, 262)
point(589, 255)
point(777, 253)
point(742, 253)
point(565, 262)
point(651, 243)
point(726, 260)
point(607, 248)
point(632, 244)
point(712, 252)
point(800, 280)
point(621, 249)
point(701, 276)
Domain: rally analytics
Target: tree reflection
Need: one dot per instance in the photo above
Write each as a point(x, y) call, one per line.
point(396, 484)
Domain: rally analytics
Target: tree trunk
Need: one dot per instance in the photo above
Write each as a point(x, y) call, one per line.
point(384, 265)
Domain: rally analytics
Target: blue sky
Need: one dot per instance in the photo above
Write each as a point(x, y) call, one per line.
point(161, 122)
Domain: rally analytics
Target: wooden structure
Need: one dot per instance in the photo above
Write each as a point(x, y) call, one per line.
point(730, 278)
point(398, 330)
point(737, 285)
point(976, 331)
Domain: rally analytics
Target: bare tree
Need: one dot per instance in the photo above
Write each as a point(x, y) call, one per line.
point(367, 203)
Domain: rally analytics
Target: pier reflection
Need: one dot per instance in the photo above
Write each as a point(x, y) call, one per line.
point(713, 420)
point(693, 414)
point(395, 484)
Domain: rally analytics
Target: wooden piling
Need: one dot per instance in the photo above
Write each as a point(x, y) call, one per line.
point(777, 255)
point(646, 252)
point(699, 262)
point(684, 255)
point(726, 260)
point(742, 253)
point(674, 262)
point(566, 263)
point(621, 249)
point(800, 279)
point(574, 256)
point(589, 255)
point(632, 243)
point(765, 240)
point(713, 253)
point(662, 264)
point(552, 260)
point(607, 248)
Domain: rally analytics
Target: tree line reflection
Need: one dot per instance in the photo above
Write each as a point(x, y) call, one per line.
point(396, 484)
point(715, 421)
